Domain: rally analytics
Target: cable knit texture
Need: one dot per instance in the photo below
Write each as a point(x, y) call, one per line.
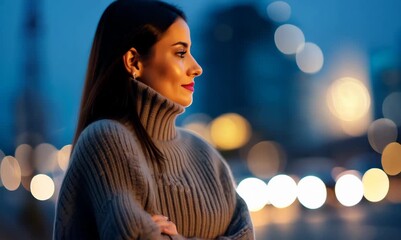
point(111, 189)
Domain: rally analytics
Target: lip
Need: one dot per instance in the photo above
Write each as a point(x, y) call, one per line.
point(189, 87)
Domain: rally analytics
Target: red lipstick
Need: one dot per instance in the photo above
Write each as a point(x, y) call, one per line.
point(189, 87)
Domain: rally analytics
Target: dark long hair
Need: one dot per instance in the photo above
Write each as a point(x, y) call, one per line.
point(108, 92)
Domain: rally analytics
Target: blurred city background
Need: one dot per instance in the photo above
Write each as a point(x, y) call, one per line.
point(302, 97)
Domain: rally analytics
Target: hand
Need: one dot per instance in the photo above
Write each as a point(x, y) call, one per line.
point(166, 226)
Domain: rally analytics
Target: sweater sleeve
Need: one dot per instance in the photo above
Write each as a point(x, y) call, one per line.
point(240, 227)
point(113, 179)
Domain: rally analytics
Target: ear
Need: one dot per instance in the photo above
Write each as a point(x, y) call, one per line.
point(132, 62)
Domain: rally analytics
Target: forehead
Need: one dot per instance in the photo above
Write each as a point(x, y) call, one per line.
point(177, 32)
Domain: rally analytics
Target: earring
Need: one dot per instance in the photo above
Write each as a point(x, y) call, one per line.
point(134, 75)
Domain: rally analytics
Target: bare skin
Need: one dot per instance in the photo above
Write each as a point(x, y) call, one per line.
point(166, 226)
point(171, 68)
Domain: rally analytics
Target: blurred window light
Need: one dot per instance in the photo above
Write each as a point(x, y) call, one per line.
point(42, 187)
point(349, 190)
point(1, 159)
point(391, 159)
point(336, 172)
point(23, 154)
point(309, 58)
point(288, 38)
point(199, 124)
point(348, 99)
point(391, 107)
point(375, 184)
point(201, 129)
point(282, 191)
point(344, 171)
point(265, 159)
point(254, 192)
point(10, 173)
point(394, 192)
point(45, 157)
point(279, 11)
point(312, 192)
point(356, 128)
point(382, 132)
point(230, 131)
point(63, 157)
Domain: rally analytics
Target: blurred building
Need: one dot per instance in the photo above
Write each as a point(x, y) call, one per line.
point(246, 74)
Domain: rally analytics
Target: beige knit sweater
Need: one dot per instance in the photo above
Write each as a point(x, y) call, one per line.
point(111, 189)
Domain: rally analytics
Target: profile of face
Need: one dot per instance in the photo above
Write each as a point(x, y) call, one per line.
point(171, 69)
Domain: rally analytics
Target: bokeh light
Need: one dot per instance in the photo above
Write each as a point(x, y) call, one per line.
point(312, 192)
point(382, 132)
point(348, 99)
point(309, 58)
point(230, 131)
point(265, 159)
point(1, 159)
point(337, 173)
point(10, 173)
point(394, 192)
point(254, 192)
point(63, 156)
point(282, 191)
point(279, 11)
point(42, 187)
point(391, 158)
point(349, 190)
point(200, 124)
point(23, 154)
point(355, 128)
point(45, 157)
point(375, 184)
point(391, 107)
point(288, 38)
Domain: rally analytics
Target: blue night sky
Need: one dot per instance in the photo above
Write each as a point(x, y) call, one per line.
point(67, 29)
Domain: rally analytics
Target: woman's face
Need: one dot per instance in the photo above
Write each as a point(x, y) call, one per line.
point(171, 69)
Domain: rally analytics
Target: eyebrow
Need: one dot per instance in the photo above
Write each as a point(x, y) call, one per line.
point(180, 43)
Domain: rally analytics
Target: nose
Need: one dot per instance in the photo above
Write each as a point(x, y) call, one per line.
point(196, 69)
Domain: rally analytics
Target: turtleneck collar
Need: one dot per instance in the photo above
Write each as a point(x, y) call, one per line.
point(156, 113)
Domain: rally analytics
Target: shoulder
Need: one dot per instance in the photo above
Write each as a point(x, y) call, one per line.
point(193, 138)
point(211, 157)
point(200, 144)
point(106, 139)
point(106, 132)
point(105, 128)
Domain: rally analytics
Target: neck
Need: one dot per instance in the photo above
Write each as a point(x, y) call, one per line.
point(156, 112)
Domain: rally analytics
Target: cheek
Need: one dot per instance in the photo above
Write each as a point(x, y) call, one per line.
point(171, 71)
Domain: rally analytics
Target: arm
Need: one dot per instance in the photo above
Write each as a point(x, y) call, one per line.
point(241, 224)
point(240, 227)
point(113, 179)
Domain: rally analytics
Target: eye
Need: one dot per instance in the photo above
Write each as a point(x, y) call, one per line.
point(181, 54)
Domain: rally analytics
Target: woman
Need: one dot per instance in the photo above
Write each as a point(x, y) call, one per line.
point(133, 173)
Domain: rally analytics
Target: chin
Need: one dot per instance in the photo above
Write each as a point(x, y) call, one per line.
point(185, 103)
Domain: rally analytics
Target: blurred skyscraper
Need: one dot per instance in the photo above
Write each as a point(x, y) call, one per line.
point(246, 74)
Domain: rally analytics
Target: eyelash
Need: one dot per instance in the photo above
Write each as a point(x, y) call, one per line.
point(181, 53)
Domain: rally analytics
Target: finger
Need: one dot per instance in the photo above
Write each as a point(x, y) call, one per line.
point(169, 228)
point(158, 218)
